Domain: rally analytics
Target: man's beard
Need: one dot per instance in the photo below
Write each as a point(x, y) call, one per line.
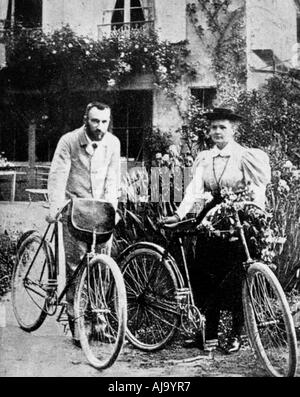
point(92, 134)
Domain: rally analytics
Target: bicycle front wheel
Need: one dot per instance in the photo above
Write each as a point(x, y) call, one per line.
point(100, 308)
point(151, 284)
point(269, 321)
point(32, 271)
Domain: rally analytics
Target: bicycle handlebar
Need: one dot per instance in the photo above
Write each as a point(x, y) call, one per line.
point(177, 225)
point(198, 219)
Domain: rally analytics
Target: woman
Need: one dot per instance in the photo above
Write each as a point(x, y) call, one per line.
point(226, 165)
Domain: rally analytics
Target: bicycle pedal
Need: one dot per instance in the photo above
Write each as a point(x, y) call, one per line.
point(66, 328)
point(63, 318)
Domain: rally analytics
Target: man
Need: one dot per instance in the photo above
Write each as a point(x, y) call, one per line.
point(86, 164)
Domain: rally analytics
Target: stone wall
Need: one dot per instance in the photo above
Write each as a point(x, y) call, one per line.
point(83, 16)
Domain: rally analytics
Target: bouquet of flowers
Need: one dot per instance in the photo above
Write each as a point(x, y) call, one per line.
point(263, 239)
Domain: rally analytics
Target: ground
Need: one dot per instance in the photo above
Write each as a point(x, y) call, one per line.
point(48, 352)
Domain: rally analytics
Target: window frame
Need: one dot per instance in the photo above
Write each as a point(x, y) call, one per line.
point(204, 101)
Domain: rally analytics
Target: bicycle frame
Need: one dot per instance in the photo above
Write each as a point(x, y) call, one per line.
point(52, 283)
point(177, 236)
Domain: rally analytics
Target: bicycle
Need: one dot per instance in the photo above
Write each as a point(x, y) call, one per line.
point(160, 297)
point(100, 305)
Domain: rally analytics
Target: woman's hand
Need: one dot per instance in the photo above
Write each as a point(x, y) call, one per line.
point(168, 220)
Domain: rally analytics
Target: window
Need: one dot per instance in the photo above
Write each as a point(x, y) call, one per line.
point(205, 96)
point(127, 15)
point(127, 12)
point(28, 13)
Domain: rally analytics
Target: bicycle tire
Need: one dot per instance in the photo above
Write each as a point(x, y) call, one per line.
point(29, 296)
point(269, 321)
point(153, 317)
point(100, 309)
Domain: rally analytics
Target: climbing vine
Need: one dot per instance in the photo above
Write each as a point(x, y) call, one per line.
point(227, 28)
point(65, 59)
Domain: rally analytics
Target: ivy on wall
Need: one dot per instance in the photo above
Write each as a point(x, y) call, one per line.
point(65, 60)
point(227, 44)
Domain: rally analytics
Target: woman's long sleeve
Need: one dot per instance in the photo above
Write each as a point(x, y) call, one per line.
point(257, 173)
point(195, 190)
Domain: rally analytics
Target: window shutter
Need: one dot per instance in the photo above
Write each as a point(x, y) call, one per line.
point(171, 19)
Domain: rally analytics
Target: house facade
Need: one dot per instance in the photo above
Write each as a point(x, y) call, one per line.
point(269, 30)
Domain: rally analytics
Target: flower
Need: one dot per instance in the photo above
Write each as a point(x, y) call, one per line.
point(111, 82)
point(162, 69)
point(125, 66)
point(283, 185)
point(296, 174)
point(277, 174)
point(54, 52)
point(70, 45)
point(288, 164)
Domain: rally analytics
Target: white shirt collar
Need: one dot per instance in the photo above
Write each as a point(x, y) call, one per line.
point(225, 152)
point(87, 138)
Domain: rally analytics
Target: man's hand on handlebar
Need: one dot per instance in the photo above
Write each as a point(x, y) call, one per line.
point(169, 220)
point(52, 218)
point(55, 214)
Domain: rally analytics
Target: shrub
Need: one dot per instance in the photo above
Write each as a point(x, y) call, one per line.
point(7, 258)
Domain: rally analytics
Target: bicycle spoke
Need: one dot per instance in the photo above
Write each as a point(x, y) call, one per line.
point(152, 313)
point(100, 312)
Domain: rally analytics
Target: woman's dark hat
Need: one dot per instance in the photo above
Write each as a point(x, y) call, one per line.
point(222, 114)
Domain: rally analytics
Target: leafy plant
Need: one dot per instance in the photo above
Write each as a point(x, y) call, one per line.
point(194, 132)
point(156, 141)
point(7, 258)
point(64, 59)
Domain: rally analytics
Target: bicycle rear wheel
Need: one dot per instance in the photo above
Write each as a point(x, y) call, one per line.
point(30, 279)
point(101, 311)
point(269, 321)
point(152, 308)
